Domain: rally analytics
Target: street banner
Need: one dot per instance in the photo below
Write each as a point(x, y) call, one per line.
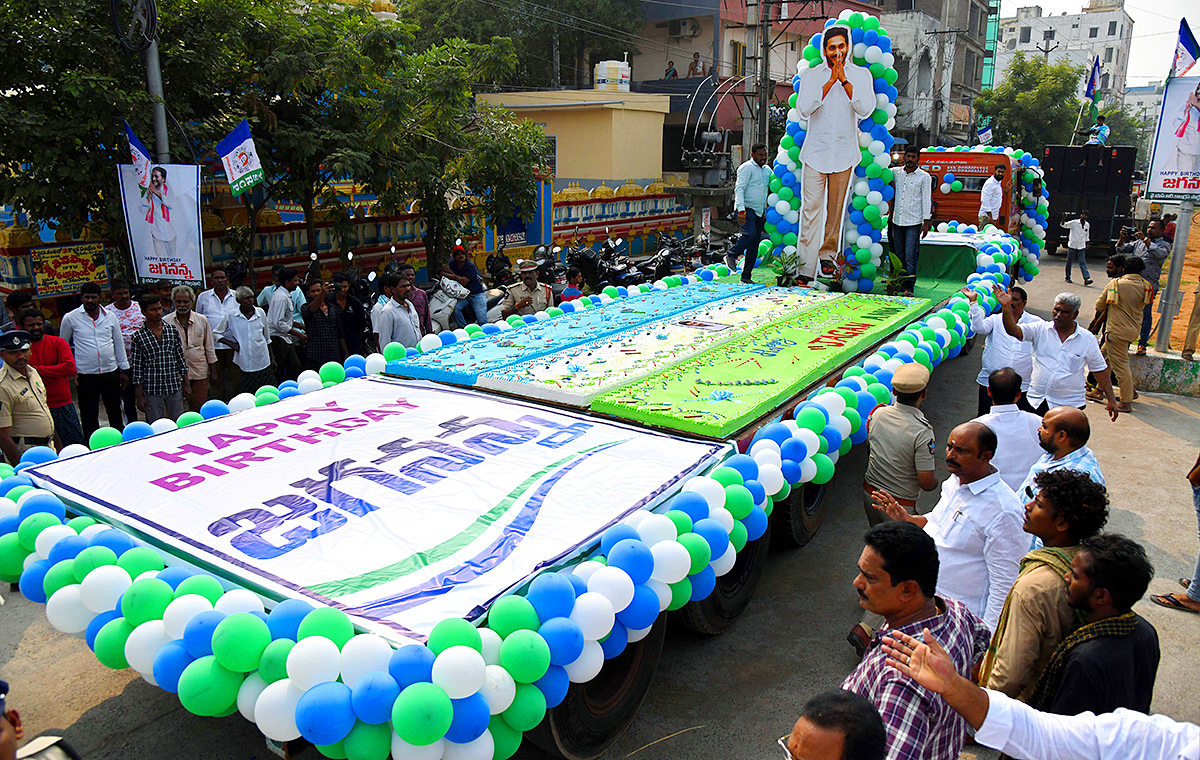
point(401, 502)
point(243, 168)
point(1186, 51)
point(59, 270)
point(163, 222)
point(1175, 162)
point(985, 136)
point(140, 156)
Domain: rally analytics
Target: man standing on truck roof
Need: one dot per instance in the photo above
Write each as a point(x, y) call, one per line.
point(914, 206)
point(991, 198)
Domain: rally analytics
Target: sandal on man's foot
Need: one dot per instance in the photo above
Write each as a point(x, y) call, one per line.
point(1170, 602)
point(1141, 351)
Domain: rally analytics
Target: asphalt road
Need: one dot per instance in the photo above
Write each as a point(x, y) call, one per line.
point(720, 697)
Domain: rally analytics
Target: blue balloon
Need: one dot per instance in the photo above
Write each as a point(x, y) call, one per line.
point(12, 481)
point(529, 319)
point(744, 464)
point(816, 40)
point(135, 430)
point(856, 217)
point(792, 128)
point(197, 635)
point(114, 539)
point(491, 329)
point(616, 641)
point(174, 575)
point(615, 535)
point(355, 360)
point(411, 664)
point(705, 275)
point(948, 178)
point(567, 306)
point(325, 714)
point(31, 580)
point(373, 696)
point(888, 192)
point(565, 639)
point(691, 504)
point(756, 490)
point(577, 583)
point(756, 523)
point(67, 548)
point(879, 84)
point(876, 184)
point(794, 449)
point(42, 502)
point(833, 436)
point(800, 135)
point(791, 471)
point(169, 664)
point(554, 685)
point(448, 337)
point(552, 594)
point(622, 291)
point(213, 408)
point(856, 35)
point(634, 557)
point(703, 583)
point(471, 716)
point(870, 37)
point(284, 620)
point(714, 533)
point(38, 455)
point(642, 611)
point(98, 622)
point(788, 179)
point(353, 372)
point(289, 392)
point(858, 436)
point(776, 432)
point(288, 384)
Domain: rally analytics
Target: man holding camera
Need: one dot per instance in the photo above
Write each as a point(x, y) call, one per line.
point(1152, 249)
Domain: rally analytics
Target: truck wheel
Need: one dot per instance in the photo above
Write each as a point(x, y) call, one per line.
point(1051, 247)
point(797, 518)
point(733, 592)
point(596, 713)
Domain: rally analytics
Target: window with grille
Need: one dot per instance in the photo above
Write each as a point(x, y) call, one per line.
point(1025, 33)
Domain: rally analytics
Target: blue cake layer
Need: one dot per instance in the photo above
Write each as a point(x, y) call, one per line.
point(462, 363)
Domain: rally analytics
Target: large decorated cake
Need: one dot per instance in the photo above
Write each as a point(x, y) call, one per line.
point(577, 375)
point(725, 388)
point(462, 363)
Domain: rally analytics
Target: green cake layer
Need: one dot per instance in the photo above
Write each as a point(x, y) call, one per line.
point(726, 388)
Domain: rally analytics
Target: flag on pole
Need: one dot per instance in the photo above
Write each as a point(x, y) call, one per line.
point(985, 135)
point(1092, 92)
point(1186, 50)
point(242, 166)
point(141, 158)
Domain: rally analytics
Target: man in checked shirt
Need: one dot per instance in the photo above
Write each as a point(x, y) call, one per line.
point(897, 578)
point(160, 373)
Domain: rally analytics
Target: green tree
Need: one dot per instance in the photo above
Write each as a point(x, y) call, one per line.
point(1127, 128)
point(1035, 105)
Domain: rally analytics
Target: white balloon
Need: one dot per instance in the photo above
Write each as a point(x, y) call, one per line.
point(402, 750)
point(657, 528)
point(633, 519)
point(793, 114)
point(585, 569)
point(864, 139)
point(308, 374)
point(502, 326)
point(841, 424)
point(248, 694)
point(891, 365)
point(888, 60)
point(663, 591)
point(832, 402)
point(766, 444)
point(73, 450)
point(312, 661)
point(180, 612)
point(860, 49)
point(362, 654)
point(498, 690)
point(724, 563)
point(712, 491)
point(430, 342)
point(793, 216)
point(309, 385)
point(808, 470)
point(459, 671)
point(638, 634)
point(594, 615)
point(162, 425)
point(862, 187)
point(481, 749)
point(491, 645)
point(241, 402)
point(768, 458)
point(614, 584)
point(874, 198)
point(671, 561)
point(462, 334)
point(90, 531)
point(883, 160)
point(783, 207)
point(66, 612)
point(873, 54)
point(864, 241)
point(30, 494)
point(50, 536)
point(376, 363)
point(238, 600)
point(771, 478)
point(103, 586)
point(143, 644)
point(275, 708)
point(587, 666)
point(876, 148)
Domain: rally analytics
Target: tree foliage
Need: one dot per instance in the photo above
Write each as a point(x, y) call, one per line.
point(1035, 105)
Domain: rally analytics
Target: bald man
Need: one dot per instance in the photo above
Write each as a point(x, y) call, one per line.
point(1063, 436)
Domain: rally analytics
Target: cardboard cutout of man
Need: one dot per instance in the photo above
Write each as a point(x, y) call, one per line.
point(834, 96)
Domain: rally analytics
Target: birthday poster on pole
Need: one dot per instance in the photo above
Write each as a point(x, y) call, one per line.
point(162, 220)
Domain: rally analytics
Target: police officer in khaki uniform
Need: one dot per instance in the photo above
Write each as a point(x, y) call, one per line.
point(25, 419)
point(529, 296)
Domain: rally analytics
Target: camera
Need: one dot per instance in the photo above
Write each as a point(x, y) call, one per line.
point(1128, 230)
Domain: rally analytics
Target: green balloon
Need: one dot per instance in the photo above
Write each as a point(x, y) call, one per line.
point(206, 688)
point(875, 171)
point(865, 158)
point(104, 437)
point(698, 550)
point(886, 175)
point(739, 501)
point(845, 447)
point(454, 632)
point(928, 333)
point(512, 613)
point(422, 713)
point(110, 644)
point(79, 523)
point(332, 372)
point(34, 524)
point(394, 352)
point(855, 419)
point(769, 505)
point(527, 709)
point(786, 194)
point(239, 641)
point(332, 624)
point(263, 399)
point(823, 443)
point(879, 116)
point(267, 389)
point(204, 585)
point(848, 396)
point(923, 359)
point(189, 418)
point(62, 574)
point(859, 202)
point(784, 493)
point(683, 523)
point(890, 76)
point(956, 185)
point(611, 292)
point(553, 311)
point(368, 742)
point(908, 337)
point(738, 536)
point(525, 655)
point(146, 600)
point(727, 476)
point(824, 469)
point(12, 558)
point(337, 750)
point(506, 738)
point(868, 270)
point(871, 213)
point(856, 20)
point(681, 593)
point(91, 558)
point(272, 666)
point(140, 559)
point(870, 22)
point(811, 419)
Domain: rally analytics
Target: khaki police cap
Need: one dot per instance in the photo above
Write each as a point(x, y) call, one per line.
point(910, 378)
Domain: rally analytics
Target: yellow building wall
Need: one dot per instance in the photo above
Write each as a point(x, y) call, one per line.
point(585, 140)
point(639, 153)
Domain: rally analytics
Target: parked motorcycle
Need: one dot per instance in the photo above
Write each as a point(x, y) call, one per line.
point(604, 267)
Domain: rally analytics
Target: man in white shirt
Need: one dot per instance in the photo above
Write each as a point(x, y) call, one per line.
point(1063, 354)
point(992, 197)
point(100, 359)
point(385, 297)
point(1078, 231)
point(282, 323)
point(399, 321)
point(750, 201)
point(215, 304)
point(913, 206)
point(978, 525)
point(1021, 732)
point(834, 96)
point(1017, 443)
point(247, 333)
point(999, 348)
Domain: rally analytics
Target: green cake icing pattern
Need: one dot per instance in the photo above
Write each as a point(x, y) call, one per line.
point(726, 388)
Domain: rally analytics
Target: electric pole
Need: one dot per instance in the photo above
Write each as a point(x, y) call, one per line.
point(750, 125)
point(765, 85)
point(1045, 51)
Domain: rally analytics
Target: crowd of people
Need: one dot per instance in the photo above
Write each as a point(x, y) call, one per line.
point(1008, 605)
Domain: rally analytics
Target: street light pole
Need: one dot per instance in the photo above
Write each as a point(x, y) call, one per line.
point(162, 150)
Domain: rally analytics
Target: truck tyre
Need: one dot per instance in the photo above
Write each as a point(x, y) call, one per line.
point(1051, 246)
point(796, 519)
point(594, 714)
point(733, 592)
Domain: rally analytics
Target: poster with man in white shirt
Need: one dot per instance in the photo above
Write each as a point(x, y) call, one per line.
point(162, 220)
point(834, 96)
